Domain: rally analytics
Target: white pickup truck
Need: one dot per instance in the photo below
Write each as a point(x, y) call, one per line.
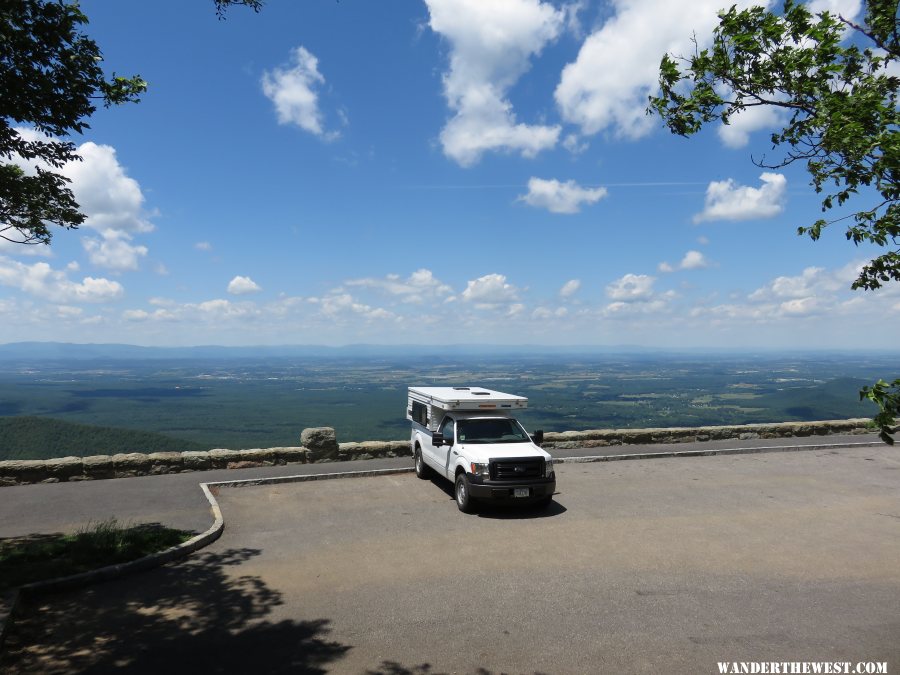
point(469, 436)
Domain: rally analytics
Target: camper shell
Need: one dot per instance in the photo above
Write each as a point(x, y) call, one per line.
point(426, 405)
point(469, 435)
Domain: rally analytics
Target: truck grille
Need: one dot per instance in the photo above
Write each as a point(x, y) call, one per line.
point(517, 469)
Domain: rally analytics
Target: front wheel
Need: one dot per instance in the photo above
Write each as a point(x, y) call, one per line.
point(544, 502)
point(463, 499)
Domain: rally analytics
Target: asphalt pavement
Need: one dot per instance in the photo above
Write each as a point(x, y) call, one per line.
point(670, 565)
point(176, 501)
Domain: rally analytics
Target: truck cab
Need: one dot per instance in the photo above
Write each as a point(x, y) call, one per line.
point(468, 435)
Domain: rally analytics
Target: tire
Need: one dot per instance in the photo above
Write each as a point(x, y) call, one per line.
point(422, 470)
point(463, 497)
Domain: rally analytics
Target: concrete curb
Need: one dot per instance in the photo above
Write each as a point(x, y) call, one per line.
point(119, 570)
point(249, 482)
point(215, 531)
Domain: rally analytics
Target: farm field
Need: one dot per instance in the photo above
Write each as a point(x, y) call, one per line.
point(246, 402)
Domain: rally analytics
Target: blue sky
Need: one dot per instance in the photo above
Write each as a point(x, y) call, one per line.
point(430, 172)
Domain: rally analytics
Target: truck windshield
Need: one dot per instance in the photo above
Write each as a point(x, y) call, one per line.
point(491, 431)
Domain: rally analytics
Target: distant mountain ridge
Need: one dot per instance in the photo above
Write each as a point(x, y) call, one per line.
point(65, 350)
point(115, 351)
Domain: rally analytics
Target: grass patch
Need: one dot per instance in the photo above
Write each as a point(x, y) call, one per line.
point(38, 557)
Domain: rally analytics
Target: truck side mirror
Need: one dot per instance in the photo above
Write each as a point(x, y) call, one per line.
point(436, 439)
point(538, 437)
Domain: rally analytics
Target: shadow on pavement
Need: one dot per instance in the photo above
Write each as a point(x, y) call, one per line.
point(188, 617)
point(501, 511)
point(394, 668)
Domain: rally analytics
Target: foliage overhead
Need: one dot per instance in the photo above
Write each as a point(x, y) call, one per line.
point(834, 81)
point(51, 79)
point(838, 94)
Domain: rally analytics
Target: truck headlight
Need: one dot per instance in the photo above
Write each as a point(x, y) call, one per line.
point(548, 468)
point(483, 470)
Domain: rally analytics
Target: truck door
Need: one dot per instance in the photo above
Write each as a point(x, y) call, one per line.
point(443, 453)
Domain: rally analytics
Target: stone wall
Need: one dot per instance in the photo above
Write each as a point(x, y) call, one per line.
point(320, 445)
point(605, 437)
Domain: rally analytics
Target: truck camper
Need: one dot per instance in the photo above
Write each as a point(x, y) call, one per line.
point(470, 436)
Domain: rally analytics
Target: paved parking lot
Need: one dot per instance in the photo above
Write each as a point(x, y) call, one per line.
point(667, 565)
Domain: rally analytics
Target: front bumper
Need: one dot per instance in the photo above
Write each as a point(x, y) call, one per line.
point(488, 490)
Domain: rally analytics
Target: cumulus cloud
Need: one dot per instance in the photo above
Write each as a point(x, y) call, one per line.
point(559, 197)
point(43, 281)
point(294, 89)
point(489, 291)
point(845, 8)
point(242, 286)
point(726, 200)
point(541, 313)
point(114, 252)
point(631, 288)
point(617, 67)
point(491, 44)
point(570, 288)
point(418, 287)
point(816, 291)
point(574, 144)
point(812, 281)
point(736, 134)
point(692, 260)
point(14, 248)
point(203, 246)
point(112, 202)
point(336, 304)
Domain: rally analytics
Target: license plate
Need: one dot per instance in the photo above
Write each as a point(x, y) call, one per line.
point(520, 492)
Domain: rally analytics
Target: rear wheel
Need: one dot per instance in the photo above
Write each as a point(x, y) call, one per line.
point(421, 467)
point(463, 498)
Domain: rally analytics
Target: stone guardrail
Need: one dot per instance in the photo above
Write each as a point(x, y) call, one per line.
point(320, 445)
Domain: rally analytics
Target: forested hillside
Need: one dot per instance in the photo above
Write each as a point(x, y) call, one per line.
point(44, 437)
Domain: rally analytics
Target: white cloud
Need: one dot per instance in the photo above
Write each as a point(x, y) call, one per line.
point(736, 134)
point(203, 246)
point(418, 287)
point(225, 309)
point(631, 288)
point(515, 309)
point(574, 144)
point(726, 200)
point(43, 281)
point(337, 304)
point(812, 281)
point(113, 251)
point(623, 310)
point(692, 260)
point(14, 248)
point(242, 286)
point(69, 312)
point(542, 313)
point(112, 202)
point(570, 288)
point(845, 8)
point(491, 44)
point(294, 89)
point(559, 197)
point(617, 67)
point(489, 291)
